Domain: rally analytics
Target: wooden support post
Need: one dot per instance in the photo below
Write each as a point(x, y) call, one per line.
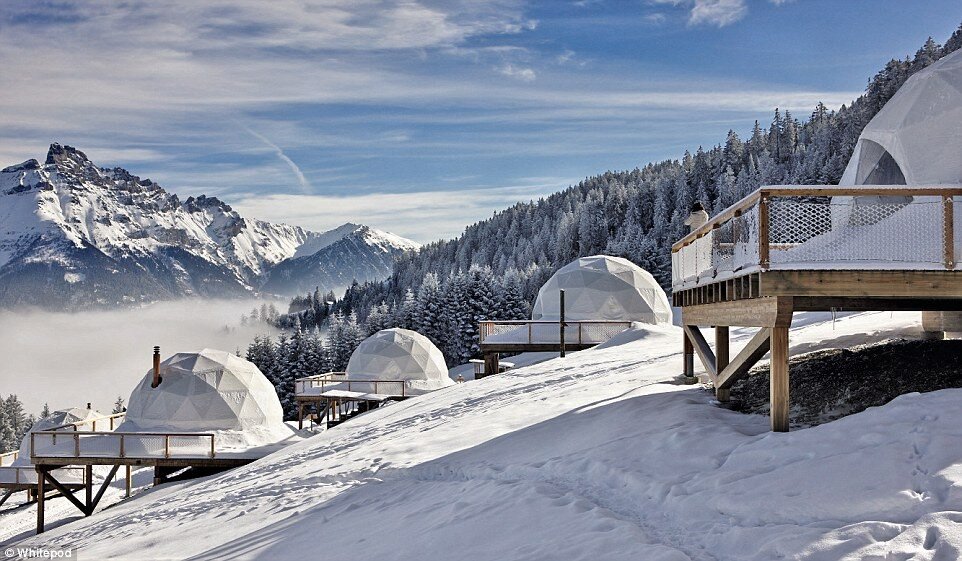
point(721, 358)
point(127, 481)
point(41, 491)
point(561, 296)
point(763, 229)
point(778, 379)
point(159, 475)
point(300, 415)
point(491, 361)
point(688, 356)
point(89, 485)
point(7, 496)
point(948, 216)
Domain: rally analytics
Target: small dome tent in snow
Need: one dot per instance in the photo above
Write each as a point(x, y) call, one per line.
point(56, 419)
point(914, 139)
point(605, 288)
point(206, 391)
point(400, 354)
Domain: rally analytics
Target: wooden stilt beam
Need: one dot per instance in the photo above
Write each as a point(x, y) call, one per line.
point(91, 505)
point(63, 491)
point(7, 496)
point(41, 491)
point(688, 356)
point(778, 384)
point(748, 357)
point(88, 483)
point(491, 361)
point(702, 349)
point(721, 357)
point(300, 415)
point(127, 480)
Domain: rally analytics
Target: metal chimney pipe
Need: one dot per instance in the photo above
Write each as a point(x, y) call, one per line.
point(157, 378)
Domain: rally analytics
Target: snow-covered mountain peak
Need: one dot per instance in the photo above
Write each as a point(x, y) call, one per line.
point(92, 235)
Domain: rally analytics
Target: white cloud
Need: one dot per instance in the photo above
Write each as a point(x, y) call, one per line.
point(717, 12)
point(519, 72)
point(422, 216)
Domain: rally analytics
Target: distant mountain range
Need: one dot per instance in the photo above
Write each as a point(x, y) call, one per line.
point(74, 235)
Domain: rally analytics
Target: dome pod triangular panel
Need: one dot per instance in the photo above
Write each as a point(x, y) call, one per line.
point(400, 354)
point(603, 288)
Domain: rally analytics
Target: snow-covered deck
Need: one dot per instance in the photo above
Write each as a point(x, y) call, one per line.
point(321, 386)
point(804, 227)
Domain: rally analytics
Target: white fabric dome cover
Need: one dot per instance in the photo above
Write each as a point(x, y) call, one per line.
point(606, 288)
point(400, 354)
point(206, 391)
point(56, 419)
point(914, 139)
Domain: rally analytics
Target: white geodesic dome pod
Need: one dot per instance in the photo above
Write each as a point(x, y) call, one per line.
point(206, 391)
point(604, 288)
point(400, 354)
point(915, 138)
point(56, 419)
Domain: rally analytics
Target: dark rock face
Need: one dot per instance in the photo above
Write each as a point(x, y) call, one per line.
point(827, 385)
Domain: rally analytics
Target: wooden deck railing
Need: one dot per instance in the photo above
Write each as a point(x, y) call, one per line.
point(544, 332)
point(145, 445)
point(825, 227)
point(8, 458)
point(111, 421)
point(27, 475)
point(319, 383)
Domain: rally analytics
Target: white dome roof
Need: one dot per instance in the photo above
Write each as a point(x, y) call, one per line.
point(206, 391)
point(601, 287)
point(400, 354)
point(915, 138)
point(56, 419)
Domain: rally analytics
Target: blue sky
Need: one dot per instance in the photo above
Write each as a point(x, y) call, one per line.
point(422, 116)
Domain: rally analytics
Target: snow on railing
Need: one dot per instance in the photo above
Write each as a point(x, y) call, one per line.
point(137, 445)
point(543, 332)
point(825, 227)
point(320, 383)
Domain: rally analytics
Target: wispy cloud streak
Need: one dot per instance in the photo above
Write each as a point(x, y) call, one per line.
point(302, 181)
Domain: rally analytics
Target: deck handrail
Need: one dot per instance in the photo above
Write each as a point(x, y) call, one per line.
point(815, 191)
point(341, 379)
point(8, 458)
point(77, 436)
point(27, 475)
point(112, 418)
point(771, 226)
point(487, 328)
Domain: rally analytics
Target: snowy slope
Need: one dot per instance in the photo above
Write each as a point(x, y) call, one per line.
point(73, 234)
point(590, 457)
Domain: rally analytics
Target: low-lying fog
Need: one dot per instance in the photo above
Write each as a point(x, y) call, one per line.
point(70, 359)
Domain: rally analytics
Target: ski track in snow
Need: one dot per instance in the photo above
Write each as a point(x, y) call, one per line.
point(590, 457)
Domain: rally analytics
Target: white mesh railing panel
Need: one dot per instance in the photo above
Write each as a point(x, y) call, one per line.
point(189, 446)
point(844, 231)
point(143, 446)
point(99, 445)
point(745, 236)
point(59, 445)
point(601, 332)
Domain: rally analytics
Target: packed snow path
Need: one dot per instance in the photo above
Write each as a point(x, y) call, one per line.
point(589, 457)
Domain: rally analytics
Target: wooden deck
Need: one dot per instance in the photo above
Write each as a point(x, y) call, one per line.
point(783, 250)
point(334, 398)
point(54, 451)
point(532, 336)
